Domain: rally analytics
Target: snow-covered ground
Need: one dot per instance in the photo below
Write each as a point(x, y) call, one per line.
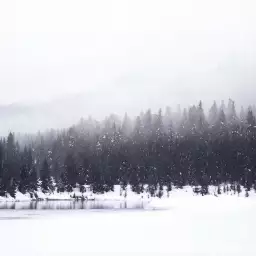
point(183, 225)
point(118, 195)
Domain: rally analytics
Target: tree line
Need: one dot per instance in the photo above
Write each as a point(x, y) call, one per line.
point(153, 150)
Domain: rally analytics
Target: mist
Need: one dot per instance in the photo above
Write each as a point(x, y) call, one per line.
point(63, 60)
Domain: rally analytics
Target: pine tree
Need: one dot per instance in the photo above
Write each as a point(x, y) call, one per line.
point(62, 183)
point(138, 129)
point(169, 188)
point(160, 191)
point(159, 124)
point(242, 115)
point(147, 123)
point(12, 188)
point(238, 189)
point(2, 172)
point(126, 125)
point(11, 164)
point(25, 171)
point(251, 119)
point(33, 180)
point(213, 114)
point(123, 173)
point(167, 119)
point(219, 190)
point(71, 170)
point(231, 112)
point(47, 185)
point(201, 120)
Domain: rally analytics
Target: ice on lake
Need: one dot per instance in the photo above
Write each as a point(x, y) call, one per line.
point(187, 226)
point(73, 205)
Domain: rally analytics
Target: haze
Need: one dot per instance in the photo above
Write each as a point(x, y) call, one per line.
point(125, 55)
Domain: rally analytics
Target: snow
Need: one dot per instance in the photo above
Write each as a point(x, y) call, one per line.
point(189, 225)
point(117, 196)
point(112, 195)
point(19, 198)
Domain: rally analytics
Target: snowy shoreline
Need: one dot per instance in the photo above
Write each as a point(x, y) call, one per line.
point(185, 225)
point(116, 195)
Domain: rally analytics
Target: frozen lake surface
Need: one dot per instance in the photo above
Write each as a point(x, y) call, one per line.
point(73, 205)
point(182, 226)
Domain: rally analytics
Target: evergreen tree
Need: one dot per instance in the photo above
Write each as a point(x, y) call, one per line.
point(25, 170)
point(147, 123)
point(126, 125)
point(33, 180)
point(242, 115)
point(47, 185)
point(251, 119)
point(213, 114)
point(238, 189)
point(231, 112)
point(71, 170)
point(11, 164)
point(2, 171)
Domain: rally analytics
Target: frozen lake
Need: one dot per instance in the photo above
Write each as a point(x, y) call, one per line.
point(72, 205)
point(188, 226)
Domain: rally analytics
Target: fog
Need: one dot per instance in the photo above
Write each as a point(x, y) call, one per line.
point(63, 59)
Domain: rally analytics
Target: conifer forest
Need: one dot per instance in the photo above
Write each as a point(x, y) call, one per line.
point(170, 148)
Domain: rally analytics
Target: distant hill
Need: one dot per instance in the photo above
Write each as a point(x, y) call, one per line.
point(66, 111)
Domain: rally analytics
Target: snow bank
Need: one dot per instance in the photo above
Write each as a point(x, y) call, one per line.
point(119, 195)
point(8, 198)
point(19, 198)
point(22, 197)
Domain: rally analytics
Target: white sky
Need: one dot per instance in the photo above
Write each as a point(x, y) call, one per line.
point(190, 49)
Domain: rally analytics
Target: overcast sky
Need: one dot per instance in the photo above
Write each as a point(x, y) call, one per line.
point(187, 49)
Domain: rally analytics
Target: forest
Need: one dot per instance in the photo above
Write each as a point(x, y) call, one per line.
point(151, 151)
